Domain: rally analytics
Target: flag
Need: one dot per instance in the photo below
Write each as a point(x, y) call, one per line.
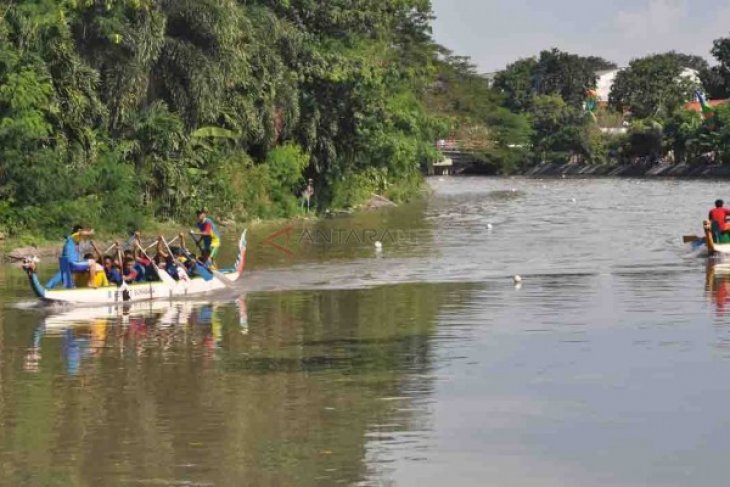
point(707, 111)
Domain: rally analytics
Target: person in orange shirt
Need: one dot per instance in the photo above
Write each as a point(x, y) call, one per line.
point(718, 217)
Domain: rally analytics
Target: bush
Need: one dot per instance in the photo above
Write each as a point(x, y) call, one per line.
point(285, 166)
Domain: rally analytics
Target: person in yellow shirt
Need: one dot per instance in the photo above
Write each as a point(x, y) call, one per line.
point(95, 277)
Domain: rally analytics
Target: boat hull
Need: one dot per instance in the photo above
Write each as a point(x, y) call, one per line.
point(712, 247)
point(146, 291)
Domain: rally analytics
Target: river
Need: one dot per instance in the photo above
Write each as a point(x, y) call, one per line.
point(421, 364)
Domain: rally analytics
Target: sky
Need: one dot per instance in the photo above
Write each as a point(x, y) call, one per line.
point(496, 32)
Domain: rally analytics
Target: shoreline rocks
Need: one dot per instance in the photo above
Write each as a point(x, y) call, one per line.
point(642, 170)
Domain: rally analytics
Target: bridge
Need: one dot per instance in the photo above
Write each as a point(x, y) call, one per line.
point(459, 155)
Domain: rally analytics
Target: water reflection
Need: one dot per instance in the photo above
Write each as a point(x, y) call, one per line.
point(89, 333)
point(296, 388)
point(611, 346)
point(717, 285)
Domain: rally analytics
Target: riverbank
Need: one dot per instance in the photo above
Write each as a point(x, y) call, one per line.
point(15, 248)
point(642, 170)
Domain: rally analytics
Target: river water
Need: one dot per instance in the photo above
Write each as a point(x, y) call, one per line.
point(422, 364)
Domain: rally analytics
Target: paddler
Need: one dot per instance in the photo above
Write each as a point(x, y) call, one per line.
point(209, 238)
point(70, 261)
point(96, 276)
point(111, 269)
point(718, 217)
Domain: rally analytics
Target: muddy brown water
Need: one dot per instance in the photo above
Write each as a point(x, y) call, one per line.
point(421, 364)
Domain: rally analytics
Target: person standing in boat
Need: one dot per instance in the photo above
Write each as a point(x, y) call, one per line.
point(70, 261)
point(718, 217)
point(209, 238)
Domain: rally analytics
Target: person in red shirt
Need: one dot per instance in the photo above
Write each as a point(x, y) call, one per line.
point(718, 218)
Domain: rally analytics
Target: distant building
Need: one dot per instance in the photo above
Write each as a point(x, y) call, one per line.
point(489, 77)
point(604, 83)
point(695, 106)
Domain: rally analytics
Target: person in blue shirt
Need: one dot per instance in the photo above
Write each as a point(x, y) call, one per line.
point(70, 260)
point(113, 274)
point(140, 270)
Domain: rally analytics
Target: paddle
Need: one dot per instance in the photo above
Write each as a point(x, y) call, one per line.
point(158, 241)
point(123, 286)
point(163, 275)
point(197, 241)
point(202, 271)
point(218, 275)
point(180, 266)
point(698, 243)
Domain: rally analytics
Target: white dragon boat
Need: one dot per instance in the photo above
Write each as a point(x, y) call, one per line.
point(713, 248)
point(167, 288)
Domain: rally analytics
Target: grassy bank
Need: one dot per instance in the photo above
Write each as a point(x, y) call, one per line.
point(27, 243)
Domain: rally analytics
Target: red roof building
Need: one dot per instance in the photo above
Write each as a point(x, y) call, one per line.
point(695, 105)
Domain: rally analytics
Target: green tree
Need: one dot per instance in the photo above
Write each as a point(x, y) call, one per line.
point(680, 134)
point(652, 86)
point(553, 73)
point(517, 83)
point(598, 63)
point(691, 61)
point(645, 139)
point(561, 132)
point(564, 74)
point(716, 79)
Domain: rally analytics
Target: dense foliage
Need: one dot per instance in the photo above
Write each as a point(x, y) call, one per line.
point(548, 92)
point(498, 137)
point(653, 85)
point(645, 119)
point(654, 93)
point(113, 111)
point(552, 73)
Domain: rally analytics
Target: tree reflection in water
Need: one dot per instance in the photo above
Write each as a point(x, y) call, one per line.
point(276, 389)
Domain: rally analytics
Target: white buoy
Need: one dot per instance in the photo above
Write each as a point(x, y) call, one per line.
point(378, 245)
point(573, 200)
point(517, 279)
point(489, 226)
point(514, 190)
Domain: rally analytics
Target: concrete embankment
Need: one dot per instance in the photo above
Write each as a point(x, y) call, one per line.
point(693, 171)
